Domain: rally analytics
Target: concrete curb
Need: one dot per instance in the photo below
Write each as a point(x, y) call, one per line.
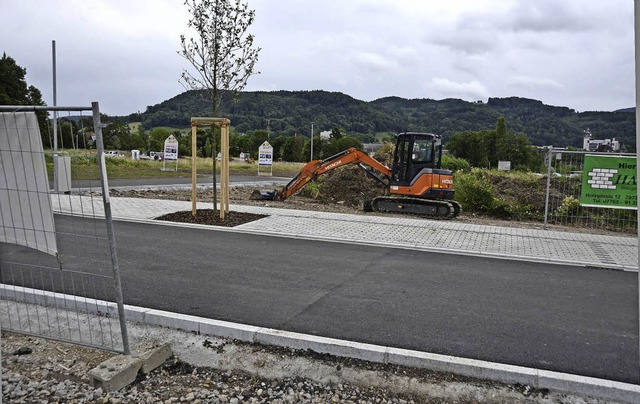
point(510, 374)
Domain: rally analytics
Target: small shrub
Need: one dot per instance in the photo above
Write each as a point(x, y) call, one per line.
point(570, 207)
point(312, 189)
point(455, 164)
point(83, 160)
point(474, 191)
point(502, 209)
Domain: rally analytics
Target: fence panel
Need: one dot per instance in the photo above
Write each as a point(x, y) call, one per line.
point(59, 275)
point(566, 170)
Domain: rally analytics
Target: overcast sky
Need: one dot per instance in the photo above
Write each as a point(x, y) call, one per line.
point(123, 53)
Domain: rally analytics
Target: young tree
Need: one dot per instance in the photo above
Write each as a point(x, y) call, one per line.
point(222, 52)
point(115, 134)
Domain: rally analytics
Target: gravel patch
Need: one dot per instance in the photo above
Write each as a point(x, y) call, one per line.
point(211, 370)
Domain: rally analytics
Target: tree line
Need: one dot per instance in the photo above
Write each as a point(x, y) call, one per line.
point(291, 113)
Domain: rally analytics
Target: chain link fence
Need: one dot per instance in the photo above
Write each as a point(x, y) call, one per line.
point(565, 197)
point(59, 275)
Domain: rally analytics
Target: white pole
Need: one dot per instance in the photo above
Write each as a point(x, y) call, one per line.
point(636, 7)
point(311, 143)
point(55, 120)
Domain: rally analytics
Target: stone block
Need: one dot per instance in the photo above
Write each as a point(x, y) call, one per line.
point(116, 372)
point(152, 354)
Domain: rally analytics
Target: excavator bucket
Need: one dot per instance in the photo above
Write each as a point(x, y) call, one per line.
point(262, 195)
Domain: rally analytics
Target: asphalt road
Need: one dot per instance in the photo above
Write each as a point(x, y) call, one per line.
point(562, 318)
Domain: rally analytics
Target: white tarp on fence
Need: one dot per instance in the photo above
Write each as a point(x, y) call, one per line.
point(26, 217)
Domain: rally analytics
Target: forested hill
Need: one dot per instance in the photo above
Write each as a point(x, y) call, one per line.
point(292, 112)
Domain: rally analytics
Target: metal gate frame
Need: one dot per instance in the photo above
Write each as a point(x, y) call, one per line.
point(18, 295)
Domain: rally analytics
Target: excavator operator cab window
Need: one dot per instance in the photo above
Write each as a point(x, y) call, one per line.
point(422, 151)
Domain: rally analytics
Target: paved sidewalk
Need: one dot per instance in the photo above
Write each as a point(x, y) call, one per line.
point(614, 252)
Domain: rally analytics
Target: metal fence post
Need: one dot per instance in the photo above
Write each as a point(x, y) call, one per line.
point(546, 195)
point(97, 128)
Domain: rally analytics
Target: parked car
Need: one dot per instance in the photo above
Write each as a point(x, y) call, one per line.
point(152, 156)
point(112, 153)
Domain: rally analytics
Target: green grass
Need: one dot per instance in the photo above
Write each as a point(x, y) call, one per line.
point(84, 166)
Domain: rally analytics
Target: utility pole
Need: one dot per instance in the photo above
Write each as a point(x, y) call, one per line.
point(311, 142)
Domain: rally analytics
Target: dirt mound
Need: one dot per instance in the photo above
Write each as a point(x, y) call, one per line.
point(520, 191)
point(347, 185)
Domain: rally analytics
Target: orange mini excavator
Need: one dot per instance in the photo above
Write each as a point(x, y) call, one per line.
point(416, 183)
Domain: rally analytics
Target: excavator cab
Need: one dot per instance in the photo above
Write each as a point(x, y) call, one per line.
point(416, 168)
point(414, 152)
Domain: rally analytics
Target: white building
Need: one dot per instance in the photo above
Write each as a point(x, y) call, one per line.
point(599, 145)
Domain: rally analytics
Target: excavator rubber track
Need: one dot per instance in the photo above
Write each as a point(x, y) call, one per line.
point(432, 208)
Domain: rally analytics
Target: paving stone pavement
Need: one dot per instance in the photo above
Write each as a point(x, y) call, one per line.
point(594, 250)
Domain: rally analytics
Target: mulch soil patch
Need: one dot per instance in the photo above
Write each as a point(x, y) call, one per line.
point(209, 217)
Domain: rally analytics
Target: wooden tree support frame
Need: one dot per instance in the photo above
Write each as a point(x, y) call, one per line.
point(223, 124)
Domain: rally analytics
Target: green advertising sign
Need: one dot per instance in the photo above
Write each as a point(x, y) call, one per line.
point(609, 182)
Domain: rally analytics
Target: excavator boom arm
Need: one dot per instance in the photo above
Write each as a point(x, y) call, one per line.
point(317, 167)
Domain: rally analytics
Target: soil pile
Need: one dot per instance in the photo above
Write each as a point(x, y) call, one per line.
point(348, 185)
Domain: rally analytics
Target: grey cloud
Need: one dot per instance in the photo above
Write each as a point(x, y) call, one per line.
point(466, 42)
point(547, 16)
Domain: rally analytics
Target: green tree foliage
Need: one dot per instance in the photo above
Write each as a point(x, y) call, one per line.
point(208, 148)
point(277, 145)
point(116, 135)
point(66, 132)
point(486, 148)
point(336, 144)
point(318, 147)
point(70, 133)
point(15, 91)
point(257, 139)
point(455, 164)
point(336, 133)
point(292, 149)
point(184, 144)
point(471, 146)
point(239, 144)
point(157, 137)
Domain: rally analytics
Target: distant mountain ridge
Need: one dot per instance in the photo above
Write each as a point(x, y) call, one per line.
point(292, 112)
